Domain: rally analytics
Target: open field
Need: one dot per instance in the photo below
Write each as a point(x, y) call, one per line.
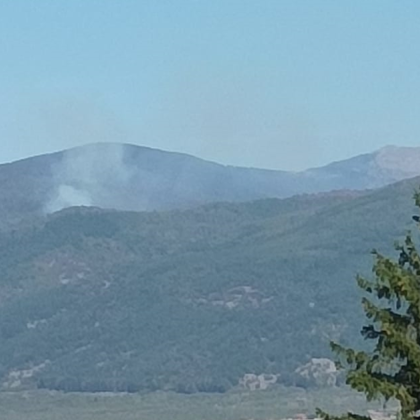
point(274, 404)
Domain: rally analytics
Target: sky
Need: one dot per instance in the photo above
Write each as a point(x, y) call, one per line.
point(269, 83)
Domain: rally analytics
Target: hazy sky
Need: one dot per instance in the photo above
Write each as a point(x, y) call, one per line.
point(266, 83)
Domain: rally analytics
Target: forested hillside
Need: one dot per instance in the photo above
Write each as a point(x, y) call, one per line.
point(191, 300)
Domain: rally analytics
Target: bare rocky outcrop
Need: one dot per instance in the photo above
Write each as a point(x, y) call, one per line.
point(319, 372)
point(20, 378)
point(254, 382)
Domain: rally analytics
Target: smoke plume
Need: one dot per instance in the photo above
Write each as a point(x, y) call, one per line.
point(93, 175)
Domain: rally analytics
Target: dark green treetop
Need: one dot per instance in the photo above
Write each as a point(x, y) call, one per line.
point(391, 370)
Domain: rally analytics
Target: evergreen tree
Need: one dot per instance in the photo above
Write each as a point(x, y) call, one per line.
point(392, 306)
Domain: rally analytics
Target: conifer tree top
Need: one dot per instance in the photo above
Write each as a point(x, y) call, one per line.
point(391, 302)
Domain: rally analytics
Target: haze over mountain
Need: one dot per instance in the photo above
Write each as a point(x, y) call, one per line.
point(128, 177)
point(191, 300)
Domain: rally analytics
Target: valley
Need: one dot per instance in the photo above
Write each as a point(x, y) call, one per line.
point(276, 404)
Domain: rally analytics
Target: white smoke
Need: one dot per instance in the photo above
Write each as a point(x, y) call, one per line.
point(89, 176)
point(69, 196)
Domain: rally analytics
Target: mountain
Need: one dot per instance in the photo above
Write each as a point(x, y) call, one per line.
point(383, 167)
point(191, 300)
point(128, 177)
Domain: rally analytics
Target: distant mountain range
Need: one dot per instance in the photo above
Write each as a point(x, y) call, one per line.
point(128, 177)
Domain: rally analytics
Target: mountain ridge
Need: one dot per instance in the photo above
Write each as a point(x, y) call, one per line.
point(130, 177)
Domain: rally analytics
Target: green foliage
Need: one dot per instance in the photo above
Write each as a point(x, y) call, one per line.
point(94, 300)
point(391, 369)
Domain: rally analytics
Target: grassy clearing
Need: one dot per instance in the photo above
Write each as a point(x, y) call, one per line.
point(274, 404)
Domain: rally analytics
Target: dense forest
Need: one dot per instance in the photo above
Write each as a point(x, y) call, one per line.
point(95, 300)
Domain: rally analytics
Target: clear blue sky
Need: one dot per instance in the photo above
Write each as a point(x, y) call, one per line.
point(267, 83)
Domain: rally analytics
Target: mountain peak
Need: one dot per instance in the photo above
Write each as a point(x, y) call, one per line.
point(399, 160)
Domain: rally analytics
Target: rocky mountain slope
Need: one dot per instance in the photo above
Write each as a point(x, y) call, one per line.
point(193, 300)
point(128, 177)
